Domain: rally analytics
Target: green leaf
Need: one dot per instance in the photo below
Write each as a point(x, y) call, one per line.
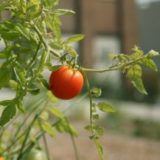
point(71, 130)
point(137, 52)
point(44, 82)
point(23, 31)
point(105, 107)
point(64, 126)
point(61, 12)
point(152, 54)
point(50, 3)
point(3, 55)
point(121, 57)
point(8, 32)
point(47, 127)
point(13, 84)
point(150, 64)
point(4, 76)
point(54, 68)
point(70, 50)
point(44, 115)
point(95, 116)
point(56, 112)
point(51, 97)
point(34, 91)
point(7, 114)
point(96, 130)
point(138, 84)
point(74, 38)
point(7, 102)
point(56, 25)
point(99, 149)
point(134, 74)
point(96, 92)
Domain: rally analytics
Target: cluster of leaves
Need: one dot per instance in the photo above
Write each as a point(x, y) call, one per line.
point(131, 65)
point(31, 36)
point(32, 42)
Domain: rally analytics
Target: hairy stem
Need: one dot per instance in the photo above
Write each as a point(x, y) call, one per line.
point(113, 67)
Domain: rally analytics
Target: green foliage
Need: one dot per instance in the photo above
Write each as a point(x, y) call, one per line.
point(47, 127)
point(134, 74)
point(74, 38)
point(33, 33)
point(4, 75)
point(131, 65)
point(96, 92)
point(33, 42)
point(121, 123)
point(8, 113)
point(105, 107)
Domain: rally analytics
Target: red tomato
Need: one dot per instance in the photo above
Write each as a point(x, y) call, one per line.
point(66, 82)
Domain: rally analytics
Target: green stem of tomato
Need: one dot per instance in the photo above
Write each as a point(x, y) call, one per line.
point(91, 118)
point(45, 141)
point(113, 67)
point(39, 135)
point(26, 138)
point(73, 142)
point(90, 101)
point(42, 39)
point(15, 140)
point(28, 131)
point(74, 147)
point(34, 56)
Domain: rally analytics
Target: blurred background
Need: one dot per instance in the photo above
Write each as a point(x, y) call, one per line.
point(115, 26)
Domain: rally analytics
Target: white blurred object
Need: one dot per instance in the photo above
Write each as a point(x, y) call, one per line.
point(2, 45)
point(6, 94)
point(103, 47)
point(144, 4)
point(146, 1)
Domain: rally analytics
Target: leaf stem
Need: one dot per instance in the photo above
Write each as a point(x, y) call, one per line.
point(90, 101)
point(42, 39)
point(113, 67)
point(45, 141)
point(26, 137)
point(75, 147)
point(22, 124)
point(93, 136)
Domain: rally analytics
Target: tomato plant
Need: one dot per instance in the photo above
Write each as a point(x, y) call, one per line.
point(66, 82)
point(33, 42)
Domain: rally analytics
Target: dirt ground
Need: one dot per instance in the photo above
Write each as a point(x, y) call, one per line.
point(116, 147)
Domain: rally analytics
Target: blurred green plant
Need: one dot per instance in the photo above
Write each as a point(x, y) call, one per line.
point(137, 127)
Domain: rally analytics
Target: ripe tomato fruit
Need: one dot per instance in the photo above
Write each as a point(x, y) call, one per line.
point(1, 158)
point(66, 83)
point(35, 154)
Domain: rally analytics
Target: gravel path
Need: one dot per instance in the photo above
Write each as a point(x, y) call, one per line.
point(116, 147)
